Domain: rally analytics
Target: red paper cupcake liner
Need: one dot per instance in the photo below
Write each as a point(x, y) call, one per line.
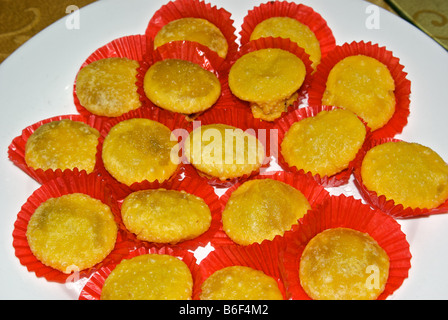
point(133, 47)
point(178, 9)
point(67, 183)
point(402, 84)
point(239, 118)
point(177, 123)
point(285, 123)
point(380, 201)
point(347, 212)
point(195, 186)
point(279, 43)
point(188, 51)
point(313, 192)
point(16, 150)
point(264, 257)
point(302, 13)
point(93, 288)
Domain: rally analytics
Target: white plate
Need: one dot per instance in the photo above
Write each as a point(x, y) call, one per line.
point(36, 83)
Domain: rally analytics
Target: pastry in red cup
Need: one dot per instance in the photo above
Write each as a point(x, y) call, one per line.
point(253, 215)
point(194, 20)
point(54, 233)
point(323, 141)
point(182, 213)
point(384, 102)
point(71, 139)
point(114, 92)
point(268, 75)
point(142, 147)
point(366, 228)
point(150, 281)
point(260, 261)
point(226, 145)
point(297, 22)
point(403, 179)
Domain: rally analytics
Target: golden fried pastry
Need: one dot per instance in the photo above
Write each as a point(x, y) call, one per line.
point(408, 173)
point(63, 144)
point(181, 86)
point(106, 87)
point(261, 209)
point(289, 28)
point(343, 264)
point(72, 232)
point(193, 29)
point(324, 144)
point(223, 151)
point(240, 283)
point(268, 79)
point(140, 149)
point(149, 277)
point(363, 85)
point(165, 216)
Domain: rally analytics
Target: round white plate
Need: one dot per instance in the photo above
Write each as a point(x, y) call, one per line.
point(36, 83)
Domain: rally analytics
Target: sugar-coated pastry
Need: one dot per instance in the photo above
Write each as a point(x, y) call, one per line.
point(193, 29)
point(149, 277)
point(140, 149)
point(324, 144)
point(289, 28)
point(343, 264)
point(71, 232)
point(107, 87)
point(240, 283)
point(261, 209)
point(408, 173)
point(269, 79)
point(363, 85)
point(224, 151)
point(63, 144)
point(165, 216)
point(181, 86)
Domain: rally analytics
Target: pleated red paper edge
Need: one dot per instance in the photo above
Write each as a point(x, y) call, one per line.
point(279, 43)
point(285, 123)
point(402, 85)
point(16, 150)
point(264, 257)
point(132, 47)
point(178, 9)
point(92, 289)
point(347, 212)
point(380, 201)
point(192, 185)
point(300, 12)
point(67, 183)
point(313, 192)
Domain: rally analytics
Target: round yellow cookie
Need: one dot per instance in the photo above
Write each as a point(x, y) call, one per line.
point(343, 264)
point(363, 85)
point(240, 283)
point(165, 216)
point(408, 173)
point(140, 149)
point(106, 87)
point(324, 144)
point(261, 209)
point(289, 28)
point(72, 232)
point(149, 277)
point(268, 79)
point(224, 151)
point(181, 86)
point(63, 144)
point(193, 29)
